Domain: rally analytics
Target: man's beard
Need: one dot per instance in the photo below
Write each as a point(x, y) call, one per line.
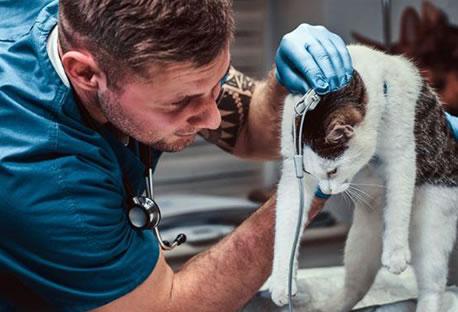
point(172, 147)
point(111, 108)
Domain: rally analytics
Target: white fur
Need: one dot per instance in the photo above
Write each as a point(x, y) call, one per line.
point(379, 236)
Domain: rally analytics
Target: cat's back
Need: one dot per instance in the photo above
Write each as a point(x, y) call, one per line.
point(404, 105)
point(392, 86)
point(436, 146)
point(385, 74)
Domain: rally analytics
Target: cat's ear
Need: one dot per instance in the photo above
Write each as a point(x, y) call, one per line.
point(410, 28)
point(338, 133)
point(432, 16)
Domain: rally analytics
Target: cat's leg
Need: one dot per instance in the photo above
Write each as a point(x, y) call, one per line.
point(400, 170)
point(433, 235)
point(287, 217)
point(363, 251)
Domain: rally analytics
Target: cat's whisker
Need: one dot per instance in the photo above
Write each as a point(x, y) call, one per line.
point(364, 193)
point(362, 197)
point(364, 184)
point(347, 201)
point(358, 198)
point(352, 199)
point(362, 201)
point(353, 195)
point(361, 191)
point(365, 202)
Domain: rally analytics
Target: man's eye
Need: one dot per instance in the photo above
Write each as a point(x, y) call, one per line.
point(181, 103)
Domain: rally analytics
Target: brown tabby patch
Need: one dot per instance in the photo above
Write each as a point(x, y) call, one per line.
point(436, 148)
point(329, 127)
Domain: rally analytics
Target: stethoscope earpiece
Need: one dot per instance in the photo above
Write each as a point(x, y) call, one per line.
point(305, 104)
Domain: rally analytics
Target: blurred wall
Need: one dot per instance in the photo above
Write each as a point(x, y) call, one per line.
point(345, 16)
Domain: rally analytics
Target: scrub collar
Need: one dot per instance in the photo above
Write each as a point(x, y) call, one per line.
point(53, 54)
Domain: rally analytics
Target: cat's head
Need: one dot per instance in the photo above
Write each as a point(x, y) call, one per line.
point(337, 140)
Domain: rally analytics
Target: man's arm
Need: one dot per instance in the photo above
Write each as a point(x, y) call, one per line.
point(250, 112)
point(223, 278)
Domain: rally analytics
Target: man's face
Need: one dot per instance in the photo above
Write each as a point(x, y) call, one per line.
point(168, 112)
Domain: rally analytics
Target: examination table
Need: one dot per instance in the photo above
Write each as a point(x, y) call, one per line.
point(390, 293)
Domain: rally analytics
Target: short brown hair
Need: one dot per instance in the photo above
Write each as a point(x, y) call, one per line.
point(132, 34)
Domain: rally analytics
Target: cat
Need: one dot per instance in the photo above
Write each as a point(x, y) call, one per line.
point(388, 113)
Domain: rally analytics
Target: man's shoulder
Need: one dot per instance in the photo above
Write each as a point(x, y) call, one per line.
point(39, 113)
point(27, 79)
point(18, 16)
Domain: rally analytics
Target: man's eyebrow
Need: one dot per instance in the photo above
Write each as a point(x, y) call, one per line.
point(193, 96)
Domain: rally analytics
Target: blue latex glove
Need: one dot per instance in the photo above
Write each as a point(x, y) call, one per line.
point(453, 121)
point(312, 57)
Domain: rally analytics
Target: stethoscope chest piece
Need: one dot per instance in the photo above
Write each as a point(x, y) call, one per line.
point(145, 213)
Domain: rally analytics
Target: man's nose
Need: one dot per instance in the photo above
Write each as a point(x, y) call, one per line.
point(208, 118)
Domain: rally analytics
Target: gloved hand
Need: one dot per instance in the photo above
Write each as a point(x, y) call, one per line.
point(312, 57)
point(453, 120)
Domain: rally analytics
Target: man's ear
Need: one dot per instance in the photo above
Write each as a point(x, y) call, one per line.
point(83, 71)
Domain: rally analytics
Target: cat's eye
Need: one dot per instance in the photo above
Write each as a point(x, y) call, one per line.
point(332, 172)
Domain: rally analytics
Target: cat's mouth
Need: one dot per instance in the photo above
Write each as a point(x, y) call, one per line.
point(332, 188)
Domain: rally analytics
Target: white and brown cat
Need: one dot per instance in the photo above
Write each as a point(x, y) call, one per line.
point(389, 112)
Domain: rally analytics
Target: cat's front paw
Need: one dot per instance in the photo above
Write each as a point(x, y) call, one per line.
point(396, 258)
point(278, 287)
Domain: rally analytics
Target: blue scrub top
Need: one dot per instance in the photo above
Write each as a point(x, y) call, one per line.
point(65, 240)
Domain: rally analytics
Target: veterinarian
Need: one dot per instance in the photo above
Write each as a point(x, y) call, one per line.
point(85, 86)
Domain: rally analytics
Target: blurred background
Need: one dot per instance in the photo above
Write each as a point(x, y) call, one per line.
point(205, 192)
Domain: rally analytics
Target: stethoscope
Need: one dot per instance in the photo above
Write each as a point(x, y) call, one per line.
point(305, 104)
point(144, 213)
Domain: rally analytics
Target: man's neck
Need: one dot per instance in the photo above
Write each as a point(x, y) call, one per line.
point(89, 101)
